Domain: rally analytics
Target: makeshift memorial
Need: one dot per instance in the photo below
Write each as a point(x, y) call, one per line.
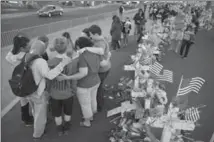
point(146, 105)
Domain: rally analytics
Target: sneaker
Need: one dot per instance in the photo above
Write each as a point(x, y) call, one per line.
point(86, 123)
point(60, 130)
point(66, 127)
point(29, 122)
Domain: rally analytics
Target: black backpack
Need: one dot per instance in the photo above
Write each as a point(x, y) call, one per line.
point(22, 82)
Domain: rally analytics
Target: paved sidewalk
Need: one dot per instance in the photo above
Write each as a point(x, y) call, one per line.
point(8, 99)
point(23, 14)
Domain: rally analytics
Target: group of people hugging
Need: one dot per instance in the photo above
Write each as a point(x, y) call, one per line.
point(62, 72)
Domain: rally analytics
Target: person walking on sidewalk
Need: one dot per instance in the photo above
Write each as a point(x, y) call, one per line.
point(115, 32)
point(21, 45)
point(127, 26)
point(99, 41)
point(121, 11)
point(139, 22)
point(188, 40)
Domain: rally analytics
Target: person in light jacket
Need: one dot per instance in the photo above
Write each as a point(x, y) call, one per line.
point(21, 45)
point(41, 72)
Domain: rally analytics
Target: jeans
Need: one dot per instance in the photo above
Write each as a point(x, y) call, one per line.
point(185, 46)
point(100, 91)
point(39, 106)
point(87, 99)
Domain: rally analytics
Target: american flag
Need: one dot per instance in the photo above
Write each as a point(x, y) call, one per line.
point(166, 76)
point(192, 114)
point(146, 61)
point(189, 85)
point(156, 68)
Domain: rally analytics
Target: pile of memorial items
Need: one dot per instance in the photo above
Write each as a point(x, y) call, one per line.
point(144, 98)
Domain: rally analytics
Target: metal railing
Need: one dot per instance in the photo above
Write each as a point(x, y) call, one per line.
point(7, 37)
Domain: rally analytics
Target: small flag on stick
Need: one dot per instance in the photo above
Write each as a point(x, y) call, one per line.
point(146, 61)
point(189, 85)
point(156, 68)
point(166, 76)
point(192, 114)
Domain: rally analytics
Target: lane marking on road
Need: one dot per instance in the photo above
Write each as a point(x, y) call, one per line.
point(9, 107)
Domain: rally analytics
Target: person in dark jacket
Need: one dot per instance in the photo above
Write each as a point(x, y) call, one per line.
point(188, 40)
point(121, 10)
point(138, 19)
point(116, 31)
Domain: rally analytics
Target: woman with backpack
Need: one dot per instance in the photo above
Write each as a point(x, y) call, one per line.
point(21, 45)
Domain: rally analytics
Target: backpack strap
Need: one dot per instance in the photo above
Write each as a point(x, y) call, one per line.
point(31, 59)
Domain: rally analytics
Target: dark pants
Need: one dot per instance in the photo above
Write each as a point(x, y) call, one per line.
point(115, 44)
point(100, 91)
point(185, 45)
point(60, 107)
point(25, 113)
point(140, 37)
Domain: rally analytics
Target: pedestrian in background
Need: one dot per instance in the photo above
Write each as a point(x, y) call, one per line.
point(115, 32)
point(188, 40)
point(121, 11)
point(127, 26)
point(139, 22)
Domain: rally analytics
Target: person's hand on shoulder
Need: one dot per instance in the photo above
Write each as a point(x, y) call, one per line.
point(66, 61)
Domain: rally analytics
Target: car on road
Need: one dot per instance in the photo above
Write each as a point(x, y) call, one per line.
point(50, 10)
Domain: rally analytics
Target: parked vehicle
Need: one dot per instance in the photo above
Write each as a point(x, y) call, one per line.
point(134, 3)
point(50, 10)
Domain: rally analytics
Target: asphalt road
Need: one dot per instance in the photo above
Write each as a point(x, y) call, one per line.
point(199, 63)
point(34, 20)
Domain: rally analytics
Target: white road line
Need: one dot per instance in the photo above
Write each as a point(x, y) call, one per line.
point(212, 138)
point(9, 107)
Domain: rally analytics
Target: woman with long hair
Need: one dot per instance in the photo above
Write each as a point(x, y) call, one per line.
point(21, 45)
point(68, 37)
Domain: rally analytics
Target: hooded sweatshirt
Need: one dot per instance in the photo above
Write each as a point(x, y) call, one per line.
point(40, 68)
